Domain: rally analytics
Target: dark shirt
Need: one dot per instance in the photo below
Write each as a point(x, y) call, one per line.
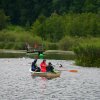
point(49, 68)
point(33, 66)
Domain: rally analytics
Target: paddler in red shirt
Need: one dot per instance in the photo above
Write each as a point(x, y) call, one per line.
point(43, 66)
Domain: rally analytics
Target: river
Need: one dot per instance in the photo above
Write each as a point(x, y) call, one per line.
point(16, 82)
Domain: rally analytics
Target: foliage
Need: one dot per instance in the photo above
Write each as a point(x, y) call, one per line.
point(50, 46)
point(12, 55)
point(88, 54)
point(23, 12)
point(60, 56)
point(38, 26)
point(82, 24)
point(67, 42)
point(3, 20)
point(50, 29)
point(16, 38)
point(52, 55)
point(62, 24)
point(56, 27)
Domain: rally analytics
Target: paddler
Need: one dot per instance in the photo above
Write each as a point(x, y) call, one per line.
point(34, 66)
point(43, 65)
point(50, 68)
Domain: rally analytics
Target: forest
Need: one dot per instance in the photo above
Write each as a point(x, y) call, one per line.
point(52, 19)
point(23, 12)
point(57, 24)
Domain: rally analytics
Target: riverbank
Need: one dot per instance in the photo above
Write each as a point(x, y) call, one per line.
point(4, 53)
point(49, 54)
point(55, 54)
point(12, 51)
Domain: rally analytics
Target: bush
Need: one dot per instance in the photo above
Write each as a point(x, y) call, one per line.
point(15, 37)
point(82, 24)
point(50, 46)
point(19, 46)
point(88, 55)
point(59, 54)
point(12, 55)
point(51, 28)
point(67, 43)
point(8, 45)
point(2, 44)
point(3, 20)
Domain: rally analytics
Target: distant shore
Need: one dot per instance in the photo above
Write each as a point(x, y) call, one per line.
point(49, 54)
point(12, 51)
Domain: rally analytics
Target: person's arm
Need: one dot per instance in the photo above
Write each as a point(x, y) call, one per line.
point(36, 70)
point(36, 67)
point(52, 68)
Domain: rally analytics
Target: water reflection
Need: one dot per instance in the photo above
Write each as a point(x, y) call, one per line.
point(43, 84)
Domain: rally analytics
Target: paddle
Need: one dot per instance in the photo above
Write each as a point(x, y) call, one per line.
point(72, 70)
point(63, 69)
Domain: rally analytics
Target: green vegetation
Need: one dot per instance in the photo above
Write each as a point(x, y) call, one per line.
point(55, 54)
point(59, 54)
point(3, 20)
point(12, 55)
point(15, 37)
point(56, 24)
point(88, 53)
point(25, 12)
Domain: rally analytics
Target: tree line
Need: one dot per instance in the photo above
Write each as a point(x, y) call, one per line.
point(58, 24)
point(25, 12)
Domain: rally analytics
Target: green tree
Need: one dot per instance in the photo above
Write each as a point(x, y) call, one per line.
point(38, 26)
point(82, 24)
point(76, 6)
point(91, 6)
point(54, 28)
point(3, 19)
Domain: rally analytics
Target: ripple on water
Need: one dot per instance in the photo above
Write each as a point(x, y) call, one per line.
point(16, 82)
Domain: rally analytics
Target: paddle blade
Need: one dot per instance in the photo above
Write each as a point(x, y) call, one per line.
point(72, 70)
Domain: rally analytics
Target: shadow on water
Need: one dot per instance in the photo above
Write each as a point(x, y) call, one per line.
point(43, 78)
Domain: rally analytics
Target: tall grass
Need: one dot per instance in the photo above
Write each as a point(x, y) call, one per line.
point(15, 37)
point(88, 52)
point(67, 43)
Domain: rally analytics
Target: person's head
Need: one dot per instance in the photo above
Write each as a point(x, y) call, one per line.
point(35, 60)
point(44, 60)
point(49, 63)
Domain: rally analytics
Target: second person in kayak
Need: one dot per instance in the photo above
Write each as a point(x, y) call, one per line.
point(43, 66)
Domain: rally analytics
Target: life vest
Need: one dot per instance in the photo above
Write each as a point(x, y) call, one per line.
point(43, 67)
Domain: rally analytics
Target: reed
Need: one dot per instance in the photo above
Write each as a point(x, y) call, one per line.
point(88, 53)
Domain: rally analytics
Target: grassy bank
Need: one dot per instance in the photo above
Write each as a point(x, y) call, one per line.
point(49, 54)
point(86, 48)
point(12, 53)
point(55, 54)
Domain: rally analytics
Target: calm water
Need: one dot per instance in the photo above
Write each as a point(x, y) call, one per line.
point(16, 82)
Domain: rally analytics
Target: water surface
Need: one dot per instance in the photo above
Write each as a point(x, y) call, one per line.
point(16, 82)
